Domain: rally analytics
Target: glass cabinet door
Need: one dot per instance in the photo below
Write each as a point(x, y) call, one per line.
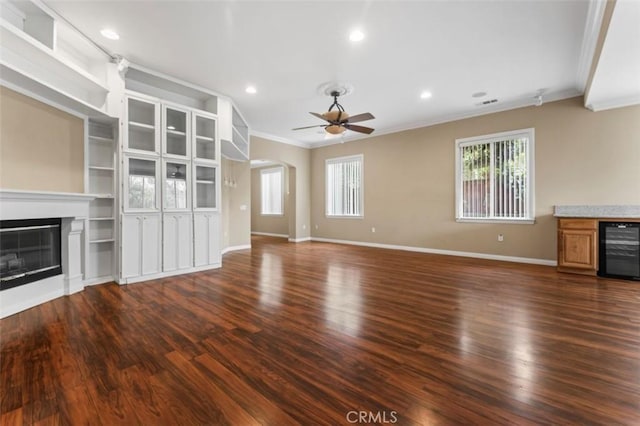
point(175, 131)
point(141, 122)
point(205, 138)
point(176, 186)
point(141, 183)
point(205, 187)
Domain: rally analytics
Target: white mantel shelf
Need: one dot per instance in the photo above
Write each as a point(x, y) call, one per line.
point(20, 204)
point(596, 212)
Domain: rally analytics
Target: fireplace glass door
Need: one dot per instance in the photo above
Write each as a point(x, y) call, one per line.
point(29, 251)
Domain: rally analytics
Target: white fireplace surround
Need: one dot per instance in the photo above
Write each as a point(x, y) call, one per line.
point(74, 210)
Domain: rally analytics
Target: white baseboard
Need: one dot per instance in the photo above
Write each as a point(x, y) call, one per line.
point(268, 234)
point(444, 252)
point(299, 240)
point(165, 274)
point(235, 248)
point(99, 280)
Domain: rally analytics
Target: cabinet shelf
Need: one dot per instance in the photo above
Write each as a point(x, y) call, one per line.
point(102, 218)
point(205, 182)
point(142, 126)
point(110, 169)
point(106, 196)
point(205, 138)
point(176, 133)
point(106, 240)
point(100, 139)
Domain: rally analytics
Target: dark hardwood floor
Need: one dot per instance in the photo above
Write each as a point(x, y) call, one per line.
point(315, 333)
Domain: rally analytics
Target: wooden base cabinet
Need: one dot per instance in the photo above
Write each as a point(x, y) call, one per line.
point(141, 245)
point(578, 246)
point(177, 241)
point(206, 243)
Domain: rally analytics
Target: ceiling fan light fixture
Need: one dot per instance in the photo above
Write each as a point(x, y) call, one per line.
point(333, 115)
point(334, 129)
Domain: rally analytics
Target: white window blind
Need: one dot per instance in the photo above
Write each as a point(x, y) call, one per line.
point(494, 177)
point(344, 190)
point(271, 182)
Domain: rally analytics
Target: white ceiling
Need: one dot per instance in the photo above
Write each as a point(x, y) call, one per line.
point(509, 49)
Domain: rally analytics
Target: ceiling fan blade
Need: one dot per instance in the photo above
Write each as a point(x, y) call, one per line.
point(315, 114)
point(360, 117)
point(360, 129)
point(309, 127)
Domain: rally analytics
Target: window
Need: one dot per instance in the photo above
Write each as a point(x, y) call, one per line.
point(494, 177)
point(344, 190)
point(271, 181)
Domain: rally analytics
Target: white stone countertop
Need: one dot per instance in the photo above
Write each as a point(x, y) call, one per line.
point(614, 212)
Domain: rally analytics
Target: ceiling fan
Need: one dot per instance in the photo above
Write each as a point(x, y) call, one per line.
point(339, 120)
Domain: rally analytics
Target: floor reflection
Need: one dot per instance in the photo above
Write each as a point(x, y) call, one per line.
point(271, 278)
point(514, 345)
point(343, 299)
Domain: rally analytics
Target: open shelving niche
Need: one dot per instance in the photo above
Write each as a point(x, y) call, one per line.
point(42, 56)
point(101, 241)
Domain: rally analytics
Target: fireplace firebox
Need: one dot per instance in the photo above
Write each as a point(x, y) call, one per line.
point(29, 251)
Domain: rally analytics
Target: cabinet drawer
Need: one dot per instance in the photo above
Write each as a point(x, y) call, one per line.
point(578, 224)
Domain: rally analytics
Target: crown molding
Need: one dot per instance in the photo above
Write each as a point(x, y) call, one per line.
point(614, 103)
point(592, 28)
point(280, 139)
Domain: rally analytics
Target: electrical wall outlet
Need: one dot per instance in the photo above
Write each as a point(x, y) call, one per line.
point(500, 237)
point(316, 226)
point(373, 229)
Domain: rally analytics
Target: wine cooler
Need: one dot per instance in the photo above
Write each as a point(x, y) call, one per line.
point(619, 250)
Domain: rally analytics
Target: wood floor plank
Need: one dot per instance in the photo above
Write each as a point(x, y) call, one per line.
point(312, 333)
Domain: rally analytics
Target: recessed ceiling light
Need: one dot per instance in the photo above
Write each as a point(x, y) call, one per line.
point(479, 94)
point(425, 95)
point(356, 35)
point(251, 89)
point(110, 34)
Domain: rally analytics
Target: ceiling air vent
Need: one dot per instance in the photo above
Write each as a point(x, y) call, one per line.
point(487, 102)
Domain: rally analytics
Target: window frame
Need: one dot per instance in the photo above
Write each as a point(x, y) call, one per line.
point(263, 171)
point(336, 160)
point(530, 181)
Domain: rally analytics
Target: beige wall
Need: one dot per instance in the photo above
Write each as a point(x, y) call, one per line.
point(41, 147)
point(236, 204)
point(581, 157)
point(268, 224)
point(298, 161)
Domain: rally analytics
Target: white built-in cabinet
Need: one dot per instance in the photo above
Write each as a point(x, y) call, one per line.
point(177, 234)
point(207, 247)
point(141, 238)
point(170, 181)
